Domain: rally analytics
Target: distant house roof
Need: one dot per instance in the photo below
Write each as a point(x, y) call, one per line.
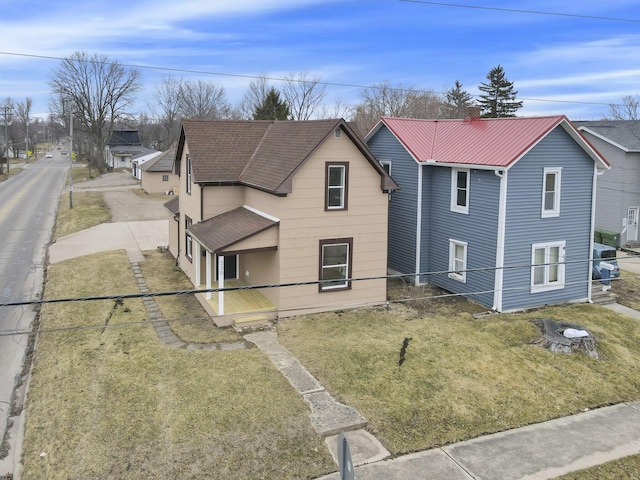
point(262, 154)
point(624, 134)
point(161, 163)
point(229, 228)
point(490, 142)
point(173, 205)
point(131, 150)
point(124, 137)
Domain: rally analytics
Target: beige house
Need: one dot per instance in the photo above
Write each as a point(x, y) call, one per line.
point(156, 175)
point(279, 202)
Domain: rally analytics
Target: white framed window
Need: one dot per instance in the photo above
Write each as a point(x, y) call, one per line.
point(337, 133)
point(460, 190)
point(188, 174)
point(188, 241)
point(165, 178)
point(547, 266)
point(335, 263)
point(336, 186)
point(551, 192)
point(458, 260)
point(386, 164)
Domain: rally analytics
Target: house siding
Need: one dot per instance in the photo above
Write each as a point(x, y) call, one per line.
point(403, 204)
point(524, 225)
point(477, 228)
point(151, 182)
point(618, 188)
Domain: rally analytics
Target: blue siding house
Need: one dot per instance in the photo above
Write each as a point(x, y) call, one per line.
point(499, 210)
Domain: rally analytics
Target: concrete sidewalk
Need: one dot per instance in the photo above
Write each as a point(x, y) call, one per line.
point(536, 452)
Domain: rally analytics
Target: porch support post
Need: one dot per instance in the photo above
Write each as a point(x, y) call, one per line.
point(220, 285)
point(208, 279)
point(197, 258)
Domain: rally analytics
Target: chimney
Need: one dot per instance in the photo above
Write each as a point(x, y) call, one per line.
point(472, 112)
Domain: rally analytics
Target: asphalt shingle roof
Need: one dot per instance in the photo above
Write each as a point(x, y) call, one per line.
point(625, 133)
point(226, 229)
point(173, 205)
point(162, 163)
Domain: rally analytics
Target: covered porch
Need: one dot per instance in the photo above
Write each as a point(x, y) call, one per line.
point(228, 251)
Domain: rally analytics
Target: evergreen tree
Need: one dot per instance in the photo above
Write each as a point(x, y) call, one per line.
point(457, 102)
point(272, 107)
point(499, 99)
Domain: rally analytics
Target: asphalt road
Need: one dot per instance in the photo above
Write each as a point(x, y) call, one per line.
point(28, 203)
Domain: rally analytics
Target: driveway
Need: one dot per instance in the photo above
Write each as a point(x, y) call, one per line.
point(139, 222)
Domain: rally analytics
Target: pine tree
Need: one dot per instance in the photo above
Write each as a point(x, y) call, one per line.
point(272, 107)
point(458, 101)
point(499, 99)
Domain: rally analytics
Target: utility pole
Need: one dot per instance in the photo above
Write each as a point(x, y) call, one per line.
point(6, 110)
point(71, 162)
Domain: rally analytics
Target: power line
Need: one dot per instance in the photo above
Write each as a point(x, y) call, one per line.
point(513, 10)
point(281, 79)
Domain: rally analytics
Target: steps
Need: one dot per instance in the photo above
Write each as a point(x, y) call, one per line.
point(602, 298)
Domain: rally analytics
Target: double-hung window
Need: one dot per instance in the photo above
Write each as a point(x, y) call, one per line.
point(458, 260)
point(551, 192)
point(335, 264)
point(188, 175)
point(188, 241)
point(337, 184)
point(547, 266)
point(460, 190)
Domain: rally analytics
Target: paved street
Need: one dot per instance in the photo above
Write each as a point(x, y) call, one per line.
point(28, 202)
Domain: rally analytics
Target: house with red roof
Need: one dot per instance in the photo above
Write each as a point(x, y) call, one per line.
point(498, 210)
point(267, 203)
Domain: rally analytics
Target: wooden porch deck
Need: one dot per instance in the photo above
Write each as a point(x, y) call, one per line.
point(241, 307)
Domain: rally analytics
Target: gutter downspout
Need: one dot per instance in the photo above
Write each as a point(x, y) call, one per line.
point(500, 241)
point(419, 226)
point(596, 174)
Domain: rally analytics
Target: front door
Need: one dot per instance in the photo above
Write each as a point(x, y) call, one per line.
point(230, 266)
point(632, 224)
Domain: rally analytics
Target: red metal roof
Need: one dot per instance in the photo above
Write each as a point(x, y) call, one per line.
point(478, 141)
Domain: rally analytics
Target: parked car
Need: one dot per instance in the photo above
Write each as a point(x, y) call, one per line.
point(604, 253)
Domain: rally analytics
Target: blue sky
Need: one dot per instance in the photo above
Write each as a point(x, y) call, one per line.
point(558, 59)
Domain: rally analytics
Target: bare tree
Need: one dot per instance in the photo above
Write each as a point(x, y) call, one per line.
point(304, 95)
point(100, 91)
point(628, 110)
point(205, 100)
point(165, 107)
point(23, 110)
point(254, 96)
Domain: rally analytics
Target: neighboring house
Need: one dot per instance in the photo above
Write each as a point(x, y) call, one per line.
point(139, 159)
point(123, 145)
point(156, 175)
point(618, 205)
point(280, 202)
point(501, 208)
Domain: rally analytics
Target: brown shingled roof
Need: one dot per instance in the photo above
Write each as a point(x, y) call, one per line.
point(173, 205)
point(226, 229)
point(259, 153)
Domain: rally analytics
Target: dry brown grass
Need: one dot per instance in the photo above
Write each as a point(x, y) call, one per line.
point(627, 288)
point(462, 377)
point(624, 469)
point(89, 210)
point(117, 403)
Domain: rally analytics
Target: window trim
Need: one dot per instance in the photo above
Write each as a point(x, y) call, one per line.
point(347, 281)
point(547, 285)
point(188, 239)
point(344, 187)
point(165, 178)
point(188, 175)
point(453, 271)
point(555, 211)
point(455, 188)
point(386, 163)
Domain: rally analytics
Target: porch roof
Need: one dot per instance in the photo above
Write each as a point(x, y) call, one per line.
point(222, 231)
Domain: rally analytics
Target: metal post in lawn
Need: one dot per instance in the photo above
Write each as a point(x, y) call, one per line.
point(71, 163)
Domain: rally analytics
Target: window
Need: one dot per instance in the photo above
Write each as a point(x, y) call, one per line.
point(337, 133)
point(165, 178)
point(551, 192)
point(335, 263)
point(547, 266)
point(188, 244)
point(458, 260)
point(386, 164)
point(188, 174)
point(336, 186)
point(460, 190)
